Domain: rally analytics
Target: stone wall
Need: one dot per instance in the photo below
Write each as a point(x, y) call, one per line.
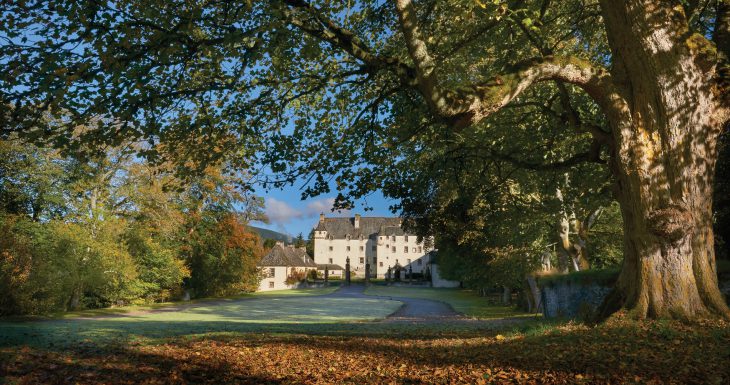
point(571, 299)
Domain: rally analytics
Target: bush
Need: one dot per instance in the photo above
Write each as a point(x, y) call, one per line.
point(161, 272)
point(54, 266)
point(313, 274)
point(222, 255)
point(295, 276)
point(603, 277)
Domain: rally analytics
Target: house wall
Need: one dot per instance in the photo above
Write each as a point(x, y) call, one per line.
point(379, 252)
point(331, 273)
point(279, 278)
point(415, 257)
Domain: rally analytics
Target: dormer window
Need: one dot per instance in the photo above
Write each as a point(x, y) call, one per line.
point(348, 237)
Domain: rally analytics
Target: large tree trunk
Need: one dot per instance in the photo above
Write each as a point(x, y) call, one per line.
point(663, 158)
point(534, 294)
point(506, 295)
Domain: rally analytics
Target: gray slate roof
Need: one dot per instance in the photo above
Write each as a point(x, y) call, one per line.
point(339, 228)
point(287, 256)
point(392, 230)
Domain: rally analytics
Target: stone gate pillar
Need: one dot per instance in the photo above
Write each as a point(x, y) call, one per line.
point(347, 272)
point(367, 273)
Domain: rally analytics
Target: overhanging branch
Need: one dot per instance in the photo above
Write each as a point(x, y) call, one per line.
point(310, 20)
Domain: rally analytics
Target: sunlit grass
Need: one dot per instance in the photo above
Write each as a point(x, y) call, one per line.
point(467, 302)
point(139, 308)
point(262, 313)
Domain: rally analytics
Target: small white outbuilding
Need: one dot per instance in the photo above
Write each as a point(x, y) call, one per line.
point(283, 262)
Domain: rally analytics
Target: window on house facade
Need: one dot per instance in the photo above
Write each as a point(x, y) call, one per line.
point(381, 264)
point(406, 238)
point(362, 248)
point(348, 237)
point(271, 284)
point(394, 238)
point(414, 249)
point(362, 260)
point(272, 272)
point(394, 249)
point(330, 260)
point(348, 248)
point(330, 248)
point(419, 249)
point(405, 249)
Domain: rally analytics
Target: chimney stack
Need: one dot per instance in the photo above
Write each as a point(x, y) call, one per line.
point(357, 221)
point(321, 217)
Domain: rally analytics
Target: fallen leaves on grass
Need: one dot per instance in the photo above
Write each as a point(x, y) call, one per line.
point(620, 351)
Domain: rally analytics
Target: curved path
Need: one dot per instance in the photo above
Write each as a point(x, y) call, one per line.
point(413, 309)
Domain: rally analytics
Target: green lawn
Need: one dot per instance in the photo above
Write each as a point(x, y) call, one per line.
point(137, 308)
point(261, 313)
point(466, 302)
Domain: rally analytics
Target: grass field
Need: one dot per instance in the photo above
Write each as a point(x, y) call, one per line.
point(137, 308)
point(261, 312)
point(466, 302)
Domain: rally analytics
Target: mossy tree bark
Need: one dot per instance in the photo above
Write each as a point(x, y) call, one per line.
point(664, 154)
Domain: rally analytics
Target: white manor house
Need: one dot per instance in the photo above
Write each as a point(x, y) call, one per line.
point(378, 240)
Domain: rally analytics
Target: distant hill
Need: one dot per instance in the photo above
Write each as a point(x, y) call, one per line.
point(271, 234)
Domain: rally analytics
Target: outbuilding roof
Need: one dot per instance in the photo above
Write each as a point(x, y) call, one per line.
point(287, 256)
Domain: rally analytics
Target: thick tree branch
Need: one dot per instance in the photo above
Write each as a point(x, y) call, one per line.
point(484, 99)
point(417, 50)
point(464, 107)
point(310, 20)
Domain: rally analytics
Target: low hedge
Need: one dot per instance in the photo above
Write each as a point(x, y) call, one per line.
point(603, 277)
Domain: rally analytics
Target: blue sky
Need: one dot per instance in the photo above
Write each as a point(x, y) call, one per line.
point(289, 214)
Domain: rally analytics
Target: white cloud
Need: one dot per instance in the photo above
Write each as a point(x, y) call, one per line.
point(325, 205)
point(320, 206)
point(280, 212)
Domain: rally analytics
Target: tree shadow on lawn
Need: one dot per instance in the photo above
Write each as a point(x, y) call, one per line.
point(619, 352)
point(119, 366)
point(62, 334)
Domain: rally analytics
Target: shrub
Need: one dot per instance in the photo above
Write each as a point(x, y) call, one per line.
point(295, 276)
point(222, 254)
point(603, 277)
